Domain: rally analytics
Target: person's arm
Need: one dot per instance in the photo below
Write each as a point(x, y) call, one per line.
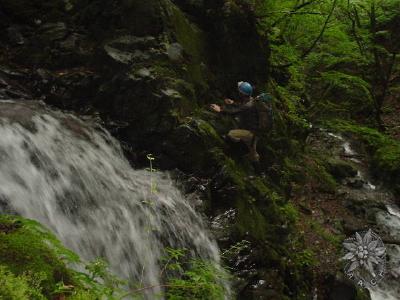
point(222, 108)
point(233, 109)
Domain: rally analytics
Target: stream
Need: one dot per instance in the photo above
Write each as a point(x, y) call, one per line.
point(71, 176)
point(387, 219)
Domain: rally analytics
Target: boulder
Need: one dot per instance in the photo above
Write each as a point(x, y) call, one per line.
point(341, 169)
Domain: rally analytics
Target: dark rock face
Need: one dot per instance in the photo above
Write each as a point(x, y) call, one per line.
point(147, 65)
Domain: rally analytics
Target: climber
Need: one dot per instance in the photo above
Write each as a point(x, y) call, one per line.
point(246, 109)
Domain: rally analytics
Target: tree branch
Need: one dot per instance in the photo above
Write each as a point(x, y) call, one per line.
point(355, 22)
point(292, 12)
point(308, 51)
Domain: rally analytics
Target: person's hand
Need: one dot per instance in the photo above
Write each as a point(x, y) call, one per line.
point(229, 101)
point(215, 107)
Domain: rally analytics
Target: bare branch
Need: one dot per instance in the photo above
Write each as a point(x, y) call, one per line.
point(308, 51)
point(292, 12)
point(289, 12)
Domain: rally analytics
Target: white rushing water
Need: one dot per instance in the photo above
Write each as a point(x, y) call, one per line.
point(75, 180)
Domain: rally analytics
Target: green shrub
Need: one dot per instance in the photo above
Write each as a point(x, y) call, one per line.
point(202, 281)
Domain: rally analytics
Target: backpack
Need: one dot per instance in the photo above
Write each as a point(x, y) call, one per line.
point(265, 112)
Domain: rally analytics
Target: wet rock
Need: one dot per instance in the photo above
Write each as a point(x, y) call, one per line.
point(10, 88)
point(15, 36)
point(126, 57)
point(129, 49)
point(51, 32)
point(343, 290)
point(175, 52)
point(355, 183)
point(259, 291)
point(142, 74)
point(222, 225)
point(341, 169)
point(350, 226)
point(73, 42)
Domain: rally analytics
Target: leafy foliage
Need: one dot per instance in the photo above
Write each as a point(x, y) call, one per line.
point(193, 279)
point(348, 70)
point(21, 287)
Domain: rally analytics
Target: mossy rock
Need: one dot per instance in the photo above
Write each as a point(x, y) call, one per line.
point(26, 247)
point(261, 212)
point(341, 169)
point(384, 150)
point(193, 41)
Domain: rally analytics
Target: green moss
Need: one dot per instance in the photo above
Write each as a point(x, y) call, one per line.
point(192, 40)
point(250, 219)
point(33, 265)
point(290, 212)
point(84, 295)
point(385, 150)
point(326, 235)
point(305, 258)
point(23, 287)
point(340, 169)
point(30, 248)
point(387, 157)
point(310, 169)
point(261, 210)
point(208, 132)
point(362, 294)
point(230, 170)
point(187, 34)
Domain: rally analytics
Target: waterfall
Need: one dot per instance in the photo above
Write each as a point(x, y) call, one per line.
point(73, 178)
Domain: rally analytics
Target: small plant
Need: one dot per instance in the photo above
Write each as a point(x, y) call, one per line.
point(99, 282)
point(62, 289)
point(202, 280)
point(188, 278)
point(153, 185)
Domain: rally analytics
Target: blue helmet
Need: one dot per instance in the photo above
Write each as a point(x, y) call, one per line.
point(245, 88)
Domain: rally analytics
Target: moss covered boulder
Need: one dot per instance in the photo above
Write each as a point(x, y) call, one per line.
point(28, 248)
